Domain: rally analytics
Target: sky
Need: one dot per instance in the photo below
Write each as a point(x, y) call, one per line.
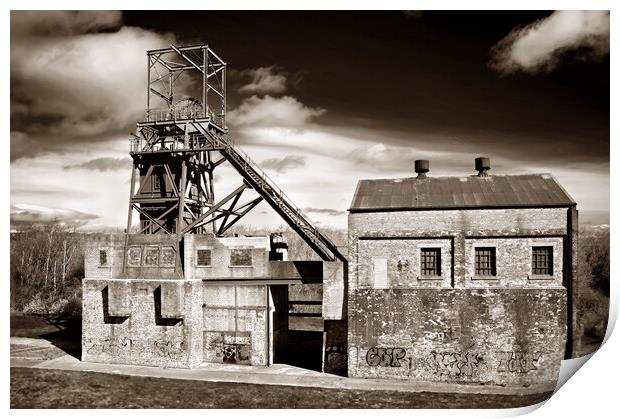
point(318, 99)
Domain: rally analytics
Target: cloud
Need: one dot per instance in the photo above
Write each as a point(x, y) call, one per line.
point(103, 164)
point(284, 111)
point(63, 22)
point(68, 86)
point(539, 46)
point(284, 164)
point(28, 215)
point(327, 211)
point(262, 80)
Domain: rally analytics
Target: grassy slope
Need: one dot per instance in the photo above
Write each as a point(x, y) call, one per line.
point(37, 388)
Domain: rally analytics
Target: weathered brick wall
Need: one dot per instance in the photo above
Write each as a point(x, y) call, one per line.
point(514, 262)
point(113, 245)
point(510, 330)
point(403, 262)
point(455, 225)
point(220, 256)
point(235, 319)
point(127, 321)
point(496, 336)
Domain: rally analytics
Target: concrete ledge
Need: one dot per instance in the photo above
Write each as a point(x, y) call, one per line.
point(285, 375)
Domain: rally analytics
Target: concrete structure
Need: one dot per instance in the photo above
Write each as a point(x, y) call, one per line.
point(461, 279)
point(182, 301)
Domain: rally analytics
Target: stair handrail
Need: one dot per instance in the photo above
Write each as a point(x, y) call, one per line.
point(249, 162)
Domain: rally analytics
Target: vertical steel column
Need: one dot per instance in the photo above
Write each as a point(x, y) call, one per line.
point(205, 81)
point(224, 98)
point(132, 188)
point(181, 218)
point(148, 86)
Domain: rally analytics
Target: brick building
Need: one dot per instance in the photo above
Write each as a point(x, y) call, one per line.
point(465, 279)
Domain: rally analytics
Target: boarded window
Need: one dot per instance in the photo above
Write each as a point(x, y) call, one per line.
point(430, 260)
point(168, 256)
point(151, 256)
point(241, 257)
point(203, 257)
point(542, 260)
point(134, 255)
point(103, 257)
point(485, 261)
point(380, 273)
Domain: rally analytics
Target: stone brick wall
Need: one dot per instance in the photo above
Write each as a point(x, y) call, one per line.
point(221, 256)
point(402, 258)
point(511, 337)
point(550, 224)
point(506, 331)
point(514, 262)
point(126, 321)
point(113, 245)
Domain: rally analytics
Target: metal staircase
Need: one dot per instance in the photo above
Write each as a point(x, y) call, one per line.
point(271, 193)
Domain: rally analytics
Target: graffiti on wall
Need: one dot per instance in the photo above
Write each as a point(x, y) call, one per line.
point(441, 364)
point(385, 357)
point(113, 347)
point(453, 364)
point(125, 347)
point(517, 362)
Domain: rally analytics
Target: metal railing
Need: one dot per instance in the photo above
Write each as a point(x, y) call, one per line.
point(247, 163)
point(174, 143)
point(157, 115)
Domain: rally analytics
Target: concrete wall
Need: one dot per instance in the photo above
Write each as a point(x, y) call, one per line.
point(236, 319)
point(461, 227)
point(113, 245)
point(142, 322)
point(494, 336)
point(221, 249)
point(510, 330)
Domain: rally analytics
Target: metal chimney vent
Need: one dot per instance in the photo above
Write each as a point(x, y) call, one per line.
point(483, 165)
point(421, 168)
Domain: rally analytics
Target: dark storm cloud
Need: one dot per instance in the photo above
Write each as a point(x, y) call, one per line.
point(76, 77)
point(282, 165)
point(25, 215)
point(326, 211)
point(103, 164)
point(63, 22)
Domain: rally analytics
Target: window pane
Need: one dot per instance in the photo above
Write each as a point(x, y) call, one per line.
point(203, 257)
point(485, 261)
point(542, 260)
point(103, 257)
point(430, 262)
point(241, 257)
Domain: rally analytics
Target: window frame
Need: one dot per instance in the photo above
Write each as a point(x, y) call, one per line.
point(230, 260)
point(104, 251)
point(438, 262)
point(551, 262)
point(210, 257)
point(493, 263)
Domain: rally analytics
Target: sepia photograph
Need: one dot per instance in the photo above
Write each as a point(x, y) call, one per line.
point(310, 209)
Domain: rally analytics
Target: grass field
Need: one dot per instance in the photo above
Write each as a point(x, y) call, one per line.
point(38, 388)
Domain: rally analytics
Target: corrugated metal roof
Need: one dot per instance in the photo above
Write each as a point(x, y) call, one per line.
point(502, 191)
